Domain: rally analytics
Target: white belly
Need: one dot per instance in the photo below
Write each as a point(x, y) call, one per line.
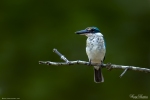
point(96, 55)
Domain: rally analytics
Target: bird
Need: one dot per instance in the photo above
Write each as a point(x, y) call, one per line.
point(95, 50)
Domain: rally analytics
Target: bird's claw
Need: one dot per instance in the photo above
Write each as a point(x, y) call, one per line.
point(109, 67)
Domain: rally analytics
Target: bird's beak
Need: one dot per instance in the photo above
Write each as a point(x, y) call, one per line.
point(82, 32)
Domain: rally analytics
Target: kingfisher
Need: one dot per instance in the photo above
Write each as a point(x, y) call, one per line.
point(95, 50)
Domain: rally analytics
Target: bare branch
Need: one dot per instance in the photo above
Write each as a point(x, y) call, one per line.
point(112, 66)
point(108, 66)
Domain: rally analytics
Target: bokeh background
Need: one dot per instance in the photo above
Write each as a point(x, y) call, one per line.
point(30, 29)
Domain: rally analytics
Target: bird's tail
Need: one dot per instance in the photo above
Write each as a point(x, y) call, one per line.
point(98, 76)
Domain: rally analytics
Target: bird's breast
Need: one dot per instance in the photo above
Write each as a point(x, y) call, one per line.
point(95, 49)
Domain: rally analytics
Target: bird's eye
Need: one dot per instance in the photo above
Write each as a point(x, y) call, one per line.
point(92, 30)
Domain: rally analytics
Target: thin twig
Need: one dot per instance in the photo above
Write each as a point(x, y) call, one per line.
point(123, 72)
point(61, 56)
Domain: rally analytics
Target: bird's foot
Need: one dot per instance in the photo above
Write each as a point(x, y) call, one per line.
point(101, 65)
point(108, 66)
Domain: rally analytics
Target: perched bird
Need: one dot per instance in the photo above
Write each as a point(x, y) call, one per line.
point(95, 50)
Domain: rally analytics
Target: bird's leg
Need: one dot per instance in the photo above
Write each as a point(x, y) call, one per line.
point(89, 64)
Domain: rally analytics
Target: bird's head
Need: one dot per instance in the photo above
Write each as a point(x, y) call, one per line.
point(88, 31)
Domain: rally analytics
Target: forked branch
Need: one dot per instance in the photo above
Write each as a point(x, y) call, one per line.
point(109, 66)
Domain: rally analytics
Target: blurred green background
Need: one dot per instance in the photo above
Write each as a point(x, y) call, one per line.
point(30, 29)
